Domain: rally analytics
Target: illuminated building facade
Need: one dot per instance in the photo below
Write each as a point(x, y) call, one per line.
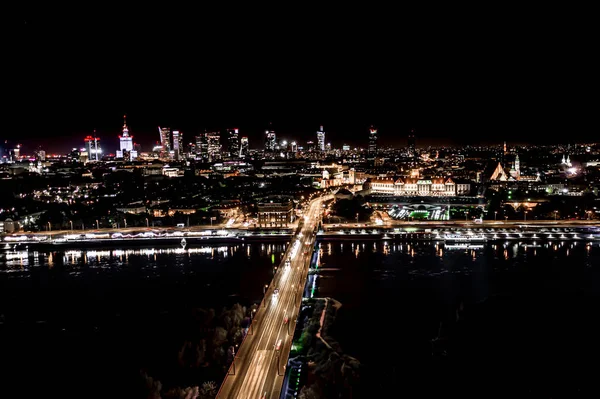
point(372, 141)
point(92, 146)
point(177, 144)
point(213, 140)
point(270, 140)
point(125, 142)
point(244, 147)
point(165, 138)
point(321, 139)
point(233, 143)
point(275, 211)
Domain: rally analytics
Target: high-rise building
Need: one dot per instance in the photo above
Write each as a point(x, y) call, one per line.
point(177, 144)
point(294, 146)
point(310, 145)
point(244, 148)
point(40, 155)
point(233, 143)
point(345, 147)
point(214, 145)
point(270, 140)
point(372, 140)
point(92, 146)
point(412, 150)
point(201, 145)
point(125, 140)
point(321, 139)
point(165, 138)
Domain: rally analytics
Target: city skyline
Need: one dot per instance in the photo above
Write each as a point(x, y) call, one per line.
point(62, 88)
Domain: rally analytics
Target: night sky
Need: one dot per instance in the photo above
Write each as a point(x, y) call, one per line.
point(524, 78)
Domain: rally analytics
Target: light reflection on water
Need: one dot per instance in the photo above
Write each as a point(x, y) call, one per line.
point(20, 261)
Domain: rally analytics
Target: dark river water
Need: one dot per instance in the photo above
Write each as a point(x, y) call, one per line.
point(512, 319)
point(83, 323)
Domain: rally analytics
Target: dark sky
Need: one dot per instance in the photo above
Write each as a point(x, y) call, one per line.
point(520, 77)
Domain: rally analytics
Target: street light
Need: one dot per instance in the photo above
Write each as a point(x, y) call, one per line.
point(97, 225)
point(505, 219)
point(125, 220)
point(466, 215)
point(49, 227)
point(555, 213)
point(356, 217)
point(147, 223)
point(525, 216)
point(495, 214)
point(70, 221)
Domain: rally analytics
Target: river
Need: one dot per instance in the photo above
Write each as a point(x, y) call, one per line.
point(83, 322)
point(512, 318)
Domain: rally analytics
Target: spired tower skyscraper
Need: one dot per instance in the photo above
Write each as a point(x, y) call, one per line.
point(125, 141)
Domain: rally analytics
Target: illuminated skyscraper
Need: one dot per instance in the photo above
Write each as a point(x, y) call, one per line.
point(233, 143)
point(372, 140)
point(165, 138)
point(321, 139)
point(270, 139)
point(214, 145)
point(125, 140)
point(92, 146)
point(177, 144)
point(244, 147)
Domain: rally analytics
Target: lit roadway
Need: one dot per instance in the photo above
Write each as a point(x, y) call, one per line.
point(258, 369)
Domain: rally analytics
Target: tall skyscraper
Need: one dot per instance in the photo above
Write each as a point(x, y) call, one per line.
point(177, 144)
point(214, 145)
point(244, 148)
point(233, 143)
point(372, 140)
point(165, 138)
point(321, 139)
point(92, 146)
point(270, 140)
point(412, 150)
point(125, 140)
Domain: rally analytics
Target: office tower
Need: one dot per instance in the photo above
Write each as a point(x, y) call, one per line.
point(92, 146)
point(310, 145)
point(244, 147)
point(214, 145)
point(165, 138)
point(177, 140)
point(233, 143)
point(321, 139)
point(294, 146)
point(270, 140)
point(372, 140)
point(40, 155)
